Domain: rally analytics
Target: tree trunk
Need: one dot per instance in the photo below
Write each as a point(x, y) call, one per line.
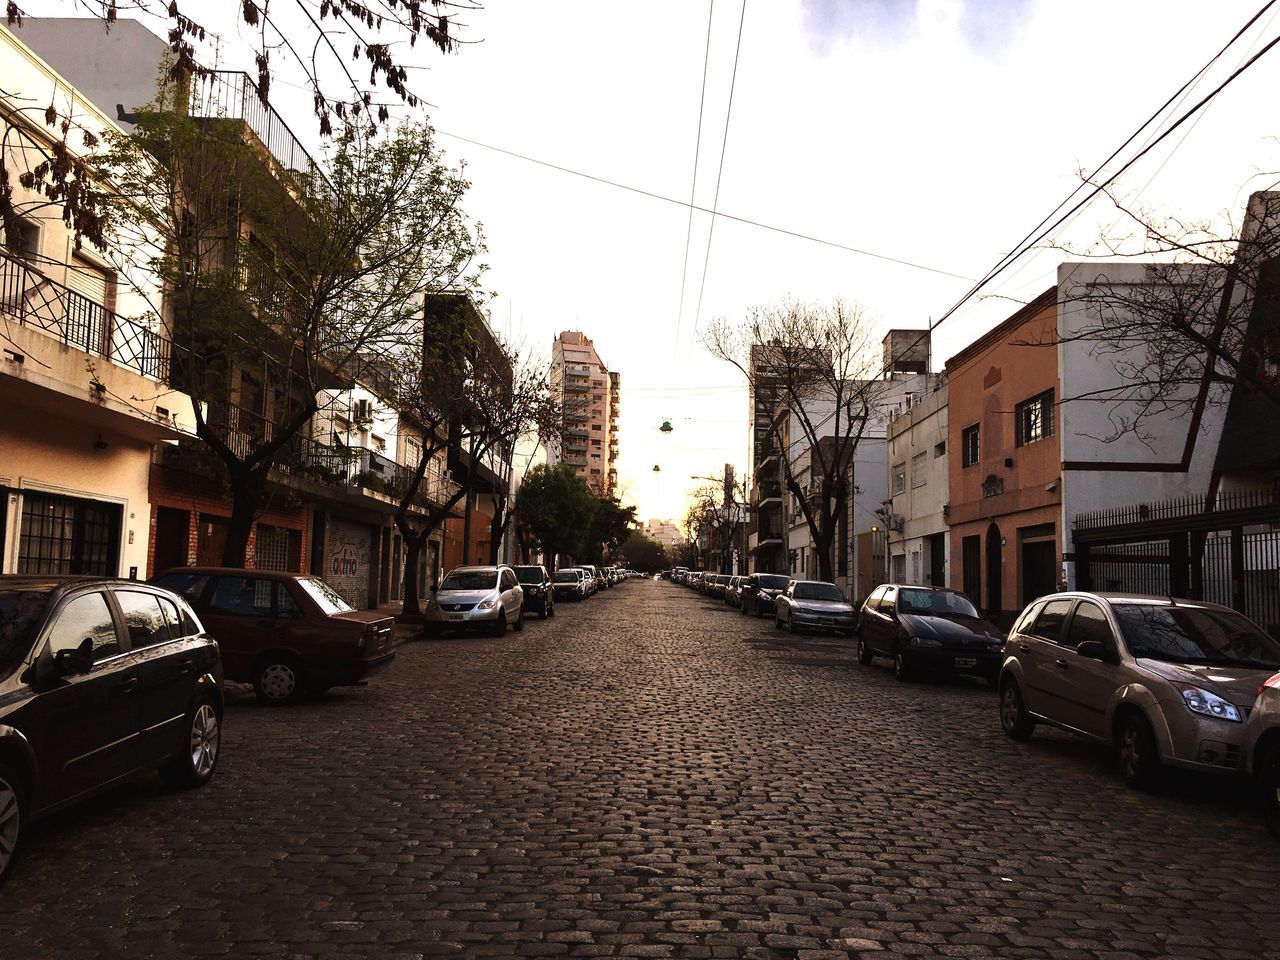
point(822, 546)
point(497, 529)
point(248, 488)
point(413, 541)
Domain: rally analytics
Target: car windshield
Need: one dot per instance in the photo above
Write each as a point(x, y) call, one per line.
point(566, 576)
point(818, 591)
point(1177, 634)
point(21, 610)
point(935, 603)
point(326, 598)
point(769, 581)
point(529, 574)
point(470, 580)
point(723, 578)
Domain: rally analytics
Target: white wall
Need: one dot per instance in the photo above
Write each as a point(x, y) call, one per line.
point(919, 431)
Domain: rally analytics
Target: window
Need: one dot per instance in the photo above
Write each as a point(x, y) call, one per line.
point(969, 444)
point(286, 605)
point(1034, 418)
point(179, 623)
point(242, 596)
point(86, 619)
point(1049, 623)
point(142, 618)
point(62, 535)
point(873, 601)
point(189, 585)
point(939, 449)
point(412, 451)
point(1090, 623)
point(899, 478)
point(918, 475)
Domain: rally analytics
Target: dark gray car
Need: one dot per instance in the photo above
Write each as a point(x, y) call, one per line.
point(928, 629)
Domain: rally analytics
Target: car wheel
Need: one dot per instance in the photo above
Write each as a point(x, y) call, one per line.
point(864, 652)
point(1014, 719)
point(902, 667)
point(791, 624)
point(1137, 753)
point(194, 764)
point(519, 624)
point(500, 625)
point(13, 818)
point(1269, 786)
point(551, 609)
point(278, 680)
point(777, 621)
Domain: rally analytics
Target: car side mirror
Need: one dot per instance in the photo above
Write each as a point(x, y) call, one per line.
point(1093, 650)
point(69, 662)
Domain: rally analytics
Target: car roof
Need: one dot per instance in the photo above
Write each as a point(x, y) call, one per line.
point(1115, 596)
point(481, 569)
point(920, 586)
point(239, 572)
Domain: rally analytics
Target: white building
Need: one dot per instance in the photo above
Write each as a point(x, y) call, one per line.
point(915, 514)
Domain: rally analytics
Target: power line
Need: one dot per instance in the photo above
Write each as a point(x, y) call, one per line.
point(693, 186)
point(718, 213)
point(724, 143)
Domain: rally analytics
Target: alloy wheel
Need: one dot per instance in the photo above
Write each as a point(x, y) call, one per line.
point(205, 739)
point(1131, 757)
point(1010, 713)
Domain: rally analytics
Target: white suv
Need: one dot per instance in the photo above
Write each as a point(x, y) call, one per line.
point(471, 598)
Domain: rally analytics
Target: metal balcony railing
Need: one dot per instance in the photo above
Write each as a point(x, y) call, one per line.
point(230, 94)
point(31, 299)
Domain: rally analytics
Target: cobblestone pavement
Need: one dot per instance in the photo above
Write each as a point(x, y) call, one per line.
point(648, 774)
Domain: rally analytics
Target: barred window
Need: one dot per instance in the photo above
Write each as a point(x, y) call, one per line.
point(1034, 418)
point(899, 477)
point(969, 445)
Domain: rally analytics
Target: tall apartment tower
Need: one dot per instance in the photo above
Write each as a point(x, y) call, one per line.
point(590, 394)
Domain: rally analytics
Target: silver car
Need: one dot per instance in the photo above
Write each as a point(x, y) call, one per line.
point(813, 603)
point(472, 598)
point(1262, 750)
point(1165, 682)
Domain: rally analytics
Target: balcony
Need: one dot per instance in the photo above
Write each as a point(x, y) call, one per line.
point(576, 461)
point(54, 338)
point(233, 95)
point(576, 386)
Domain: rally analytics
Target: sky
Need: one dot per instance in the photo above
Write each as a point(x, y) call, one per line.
point(932, 131)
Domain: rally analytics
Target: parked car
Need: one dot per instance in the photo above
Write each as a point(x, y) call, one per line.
point(539, 598)
point(600, 582)
point(287, 634)
point(716, 584)
point(477, 598)
point(733, 592)
point(1165, 682)
point(569, 583)
point(679, 574)
point(928, 629)
point(99, 679)
point(813, 603)
point(1262, 750)
point(760, 591)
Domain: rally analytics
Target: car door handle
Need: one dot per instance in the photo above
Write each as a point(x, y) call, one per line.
point(184, 667)
point(127, 685)
point(1024, 648)
point(1062, 664)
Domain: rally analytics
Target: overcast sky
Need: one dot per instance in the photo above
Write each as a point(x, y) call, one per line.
point(932, 131)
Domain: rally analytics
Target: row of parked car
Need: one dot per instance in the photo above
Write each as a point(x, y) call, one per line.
point(1164, 682)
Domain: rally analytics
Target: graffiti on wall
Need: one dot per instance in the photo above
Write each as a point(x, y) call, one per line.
point(348, 555)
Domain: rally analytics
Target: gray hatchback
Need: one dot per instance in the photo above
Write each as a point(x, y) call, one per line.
point(1164, 681)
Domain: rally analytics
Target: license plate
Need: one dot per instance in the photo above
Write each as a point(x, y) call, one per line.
point(966, 662)
point(453, 616)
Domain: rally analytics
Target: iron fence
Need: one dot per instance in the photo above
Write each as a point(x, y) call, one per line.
point(231, 94)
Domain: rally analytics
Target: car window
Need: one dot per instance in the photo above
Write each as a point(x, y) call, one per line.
point(86, 617)
point(532, 575)
point(178, 627)
point(143, 618)
point(818, 591)
point(566, 576)
point(324, 596)
point(887, 600)
point(1180, 634)
point(937, 603)
point(1090, 623)
point(286, 605)
point(770, 581)
point(189, 585)
point(509, 579)
point(1028, 617)
point(242, 596)
point(470, 580)
point(1049, 622)
point(22, 610)
point(873, 601)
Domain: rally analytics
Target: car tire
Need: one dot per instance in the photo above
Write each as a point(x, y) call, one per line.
point(777, 621)
point(499, 627)
point(902, 666)
point(519, 624)
point(1269, 788)
point(864, 652)
point(551, 609)
point(791, 624)
point(278, 680)
point(13, 818)
point(1014, 719)
point(1136, 752)
point(194, 764)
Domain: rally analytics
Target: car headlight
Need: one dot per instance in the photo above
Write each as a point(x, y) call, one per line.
point(1201, 701)
point(486, 604)
point(925, 642)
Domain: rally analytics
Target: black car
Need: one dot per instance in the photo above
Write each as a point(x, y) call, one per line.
point(539, 596)
point(928, 629)
point(99, 678)
point(759, 592)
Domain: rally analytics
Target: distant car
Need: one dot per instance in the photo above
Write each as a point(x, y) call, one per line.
point(1262, 750)
point(716, 584)
point(733, 592)
point(928, 629)
point(539, 598)
point(477, 598)
point(99, 679)
point(601, 582)
point(569, 583)
point(1165, 682)
point(813, 604)
point(288, 634)
point(759, 592)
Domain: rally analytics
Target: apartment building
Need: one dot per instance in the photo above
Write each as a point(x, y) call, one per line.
point(591, 397)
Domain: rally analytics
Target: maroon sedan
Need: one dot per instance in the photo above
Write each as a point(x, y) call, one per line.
point(285, 633)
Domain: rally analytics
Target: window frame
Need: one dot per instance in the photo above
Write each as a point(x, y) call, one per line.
point(919, 473)
point(970, 458)
point(1037, 410)
point(898, 480)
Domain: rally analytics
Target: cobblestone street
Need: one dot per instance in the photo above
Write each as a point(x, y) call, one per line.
point(648, 774)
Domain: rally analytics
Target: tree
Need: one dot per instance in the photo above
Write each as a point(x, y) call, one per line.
point(556, 506)
point(1198, 326)
point(820, 365)
point(646, 554)
point(281, 284)
point(611, 524)
point(715, 512)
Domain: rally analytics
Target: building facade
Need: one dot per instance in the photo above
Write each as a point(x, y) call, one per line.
point(915, 514)
point(590, 396)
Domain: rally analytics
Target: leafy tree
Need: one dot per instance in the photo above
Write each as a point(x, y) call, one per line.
point(282, 284)
point(611, 524)
point(556, 506)
point(715, 513)
point(646, 554)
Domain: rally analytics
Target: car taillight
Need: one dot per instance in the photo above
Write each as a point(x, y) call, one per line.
point(1273, 681)
point(366, 635)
